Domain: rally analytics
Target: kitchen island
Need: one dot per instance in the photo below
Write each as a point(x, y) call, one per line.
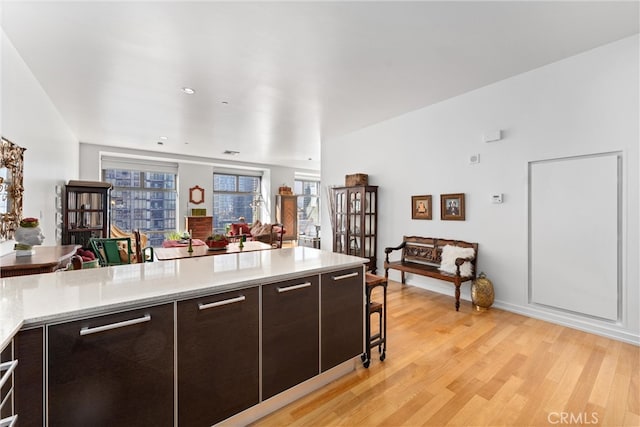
point(184, 342)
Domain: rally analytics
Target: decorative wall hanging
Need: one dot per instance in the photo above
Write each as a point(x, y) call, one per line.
point(421, 207)
point(196, 195)
point(11, 167)
point(452, 207)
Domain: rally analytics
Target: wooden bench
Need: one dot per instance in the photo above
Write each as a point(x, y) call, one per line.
point(423, 256)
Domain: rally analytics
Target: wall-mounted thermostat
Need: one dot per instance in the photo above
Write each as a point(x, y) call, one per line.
point(492, 135)
point(496, 198)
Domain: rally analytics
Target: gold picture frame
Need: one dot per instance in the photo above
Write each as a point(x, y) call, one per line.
point(421, 207)
point(452, 207)
point(11, 187)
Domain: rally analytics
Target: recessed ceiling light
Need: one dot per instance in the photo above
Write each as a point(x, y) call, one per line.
point(164, 138)
point(231, 152)
point(188, 90)
point(225, 102)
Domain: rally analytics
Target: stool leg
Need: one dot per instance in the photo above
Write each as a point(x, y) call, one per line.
point(383, 331)
point(382, 337)
point(366, 356)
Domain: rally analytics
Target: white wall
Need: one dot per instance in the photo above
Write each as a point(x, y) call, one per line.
point(194, 171)
point(582, 105)
point(29, 119)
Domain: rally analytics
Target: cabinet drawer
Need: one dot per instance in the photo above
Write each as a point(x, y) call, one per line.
point(290, 337)
point(112, 370)
point(342, 316)
point(218, 356)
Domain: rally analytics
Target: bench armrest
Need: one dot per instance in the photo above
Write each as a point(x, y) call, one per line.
point(388, 250)
point(460, 261)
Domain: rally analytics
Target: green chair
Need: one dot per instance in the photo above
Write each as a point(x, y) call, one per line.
point(109, 250)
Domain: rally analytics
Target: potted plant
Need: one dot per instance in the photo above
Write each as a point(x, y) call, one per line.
point(217, 241)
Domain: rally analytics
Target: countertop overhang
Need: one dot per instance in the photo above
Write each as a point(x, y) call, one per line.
point(55, 297)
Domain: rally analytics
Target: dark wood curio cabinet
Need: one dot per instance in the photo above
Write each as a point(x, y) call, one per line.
point(287, 215)
point(85, 211)
point(355, 222)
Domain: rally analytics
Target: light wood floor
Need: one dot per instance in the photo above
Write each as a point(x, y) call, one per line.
point(473, 368)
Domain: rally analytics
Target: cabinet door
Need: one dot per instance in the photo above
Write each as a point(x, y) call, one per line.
point(341, 316)
point(290, 322)
point(113, 370)
point(29, 377)
point(287, 215)
point(218, 356)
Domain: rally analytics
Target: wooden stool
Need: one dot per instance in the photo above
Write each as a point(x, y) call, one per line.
point(379, 339)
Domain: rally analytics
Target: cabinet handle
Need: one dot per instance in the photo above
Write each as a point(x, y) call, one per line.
point(294, 287)
point(345, 276)
point(9, 367)
point(202, 306)
point(89, 331)
point(9, 421)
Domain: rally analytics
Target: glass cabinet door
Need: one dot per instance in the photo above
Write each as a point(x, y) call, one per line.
point(355, 222)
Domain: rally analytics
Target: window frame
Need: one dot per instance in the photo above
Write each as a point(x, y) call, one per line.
point(256, 194)
point(300, 204)
point(155, 236)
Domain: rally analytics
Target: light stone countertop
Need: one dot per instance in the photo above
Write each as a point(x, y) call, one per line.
point(55, 297)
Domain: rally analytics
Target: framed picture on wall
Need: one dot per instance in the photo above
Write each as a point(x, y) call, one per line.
point(452, 207)
point(421, 207)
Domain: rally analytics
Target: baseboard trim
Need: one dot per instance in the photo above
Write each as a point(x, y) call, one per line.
point(276, 402)
point(591, 326)
point(608, 331)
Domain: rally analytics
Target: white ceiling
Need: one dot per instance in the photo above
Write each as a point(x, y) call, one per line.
point(293, 73)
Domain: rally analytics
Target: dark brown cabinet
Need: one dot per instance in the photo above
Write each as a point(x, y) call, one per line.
point(287, 215)
point(200, 227)
point(113, 370)
point(355, 225)
point(193, 362)
point(29, 377)
point(341, 317)
point(290, 334)
point(218, 356)
point(85, 212)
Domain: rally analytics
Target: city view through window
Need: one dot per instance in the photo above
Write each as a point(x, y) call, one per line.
point(308, 207)
point(233, 196)
point(145, 201)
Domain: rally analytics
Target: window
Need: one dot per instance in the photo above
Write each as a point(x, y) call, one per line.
point(143, 200)
point(308, 206)
point(233, 196)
